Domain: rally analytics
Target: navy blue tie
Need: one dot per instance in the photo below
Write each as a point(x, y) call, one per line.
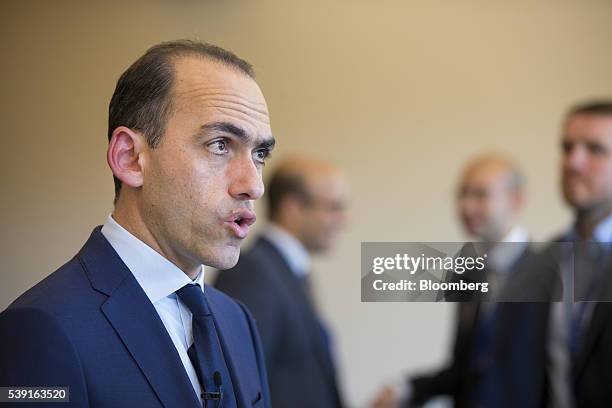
point(205, 353)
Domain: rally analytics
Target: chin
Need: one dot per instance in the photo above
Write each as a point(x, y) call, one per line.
point(225, 257)
point(323, 247)
point(576, 191)
point(471, 230)
point(574, 199)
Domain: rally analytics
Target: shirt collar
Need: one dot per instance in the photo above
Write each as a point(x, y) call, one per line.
point(517, 234)
point(601, 233)
point(603, 230)
point(504, 255)
point(292, 250)
point(157, 276)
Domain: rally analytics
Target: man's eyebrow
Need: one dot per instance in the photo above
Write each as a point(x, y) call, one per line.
point(226, 127)
point(240, 133)
point(268, 143)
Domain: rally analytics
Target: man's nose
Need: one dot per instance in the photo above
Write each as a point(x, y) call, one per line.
point(246, 181)
point(575, 158)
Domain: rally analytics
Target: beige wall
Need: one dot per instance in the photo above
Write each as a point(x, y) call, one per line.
point(400, 93)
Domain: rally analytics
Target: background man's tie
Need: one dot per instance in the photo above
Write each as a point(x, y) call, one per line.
point(205, 353)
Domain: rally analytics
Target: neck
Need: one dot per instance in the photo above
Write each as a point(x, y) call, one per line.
point(500, 235)
point(293, 231)
point(130, 218)
point(587, 220)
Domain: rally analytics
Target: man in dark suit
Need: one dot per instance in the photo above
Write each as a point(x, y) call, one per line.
point(581, 332)
point(306, 210)
point(498, 357)
point(128, 322)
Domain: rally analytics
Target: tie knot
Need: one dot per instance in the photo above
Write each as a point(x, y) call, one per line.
point(193, 297)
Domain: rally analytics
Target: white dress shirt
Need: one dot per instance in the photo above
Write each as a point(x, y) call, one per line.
point(160, 279)
point(502, 257)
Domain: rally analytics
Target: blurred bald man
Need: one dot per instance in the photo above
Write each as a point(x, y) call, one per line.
point(307, 199)
point(490, 199)
point(498, 358)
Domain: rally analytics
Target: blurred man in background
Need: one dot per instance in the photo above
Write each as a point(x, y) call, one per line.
point(307, 200)
point(581, 332)
point(490, 199)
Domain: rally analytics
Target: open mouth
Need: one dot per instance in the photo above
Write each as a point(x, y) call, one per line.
point(240, 221)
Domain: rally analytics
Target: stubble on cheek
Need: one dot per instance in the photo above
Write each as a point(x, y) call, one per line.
point(200, 215)
point(164, 200)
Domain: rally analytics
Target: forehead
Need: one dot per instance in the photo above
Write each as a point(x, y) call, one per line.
point(484, 176)
point(213, 90)
point(331, 183)
point(594, 127)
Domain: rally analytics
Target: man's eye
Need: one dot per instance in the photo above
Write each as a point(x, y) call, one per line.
point(567, 147)
point(218, 147)
point(261, 155)
point(595, 148)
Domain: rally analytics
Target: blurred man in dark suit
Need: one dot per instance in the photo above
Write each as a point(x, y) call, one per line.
point(496, 361)
point(580, 341)
point(307, 201)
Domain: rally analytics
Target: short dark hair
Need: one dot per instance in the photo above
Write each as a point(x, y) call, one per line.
point(599, 107)
point(142, 97)
point(283, 184)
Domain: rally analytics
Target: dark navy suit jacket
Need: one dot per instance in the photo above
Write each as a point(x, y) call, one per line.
point(90, 326)
point(592, 363)
point(300, 366)
point(516, 344)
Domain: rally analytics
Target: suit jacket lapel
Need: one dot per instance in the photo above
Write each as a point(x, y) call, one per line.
point(289, 278)
point(137, 323)
point(602, 310)
point(600, 314)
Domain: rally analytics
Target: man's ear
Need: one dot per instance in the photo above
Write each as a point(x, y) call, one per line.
point(291, 211)
point(125, 154)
